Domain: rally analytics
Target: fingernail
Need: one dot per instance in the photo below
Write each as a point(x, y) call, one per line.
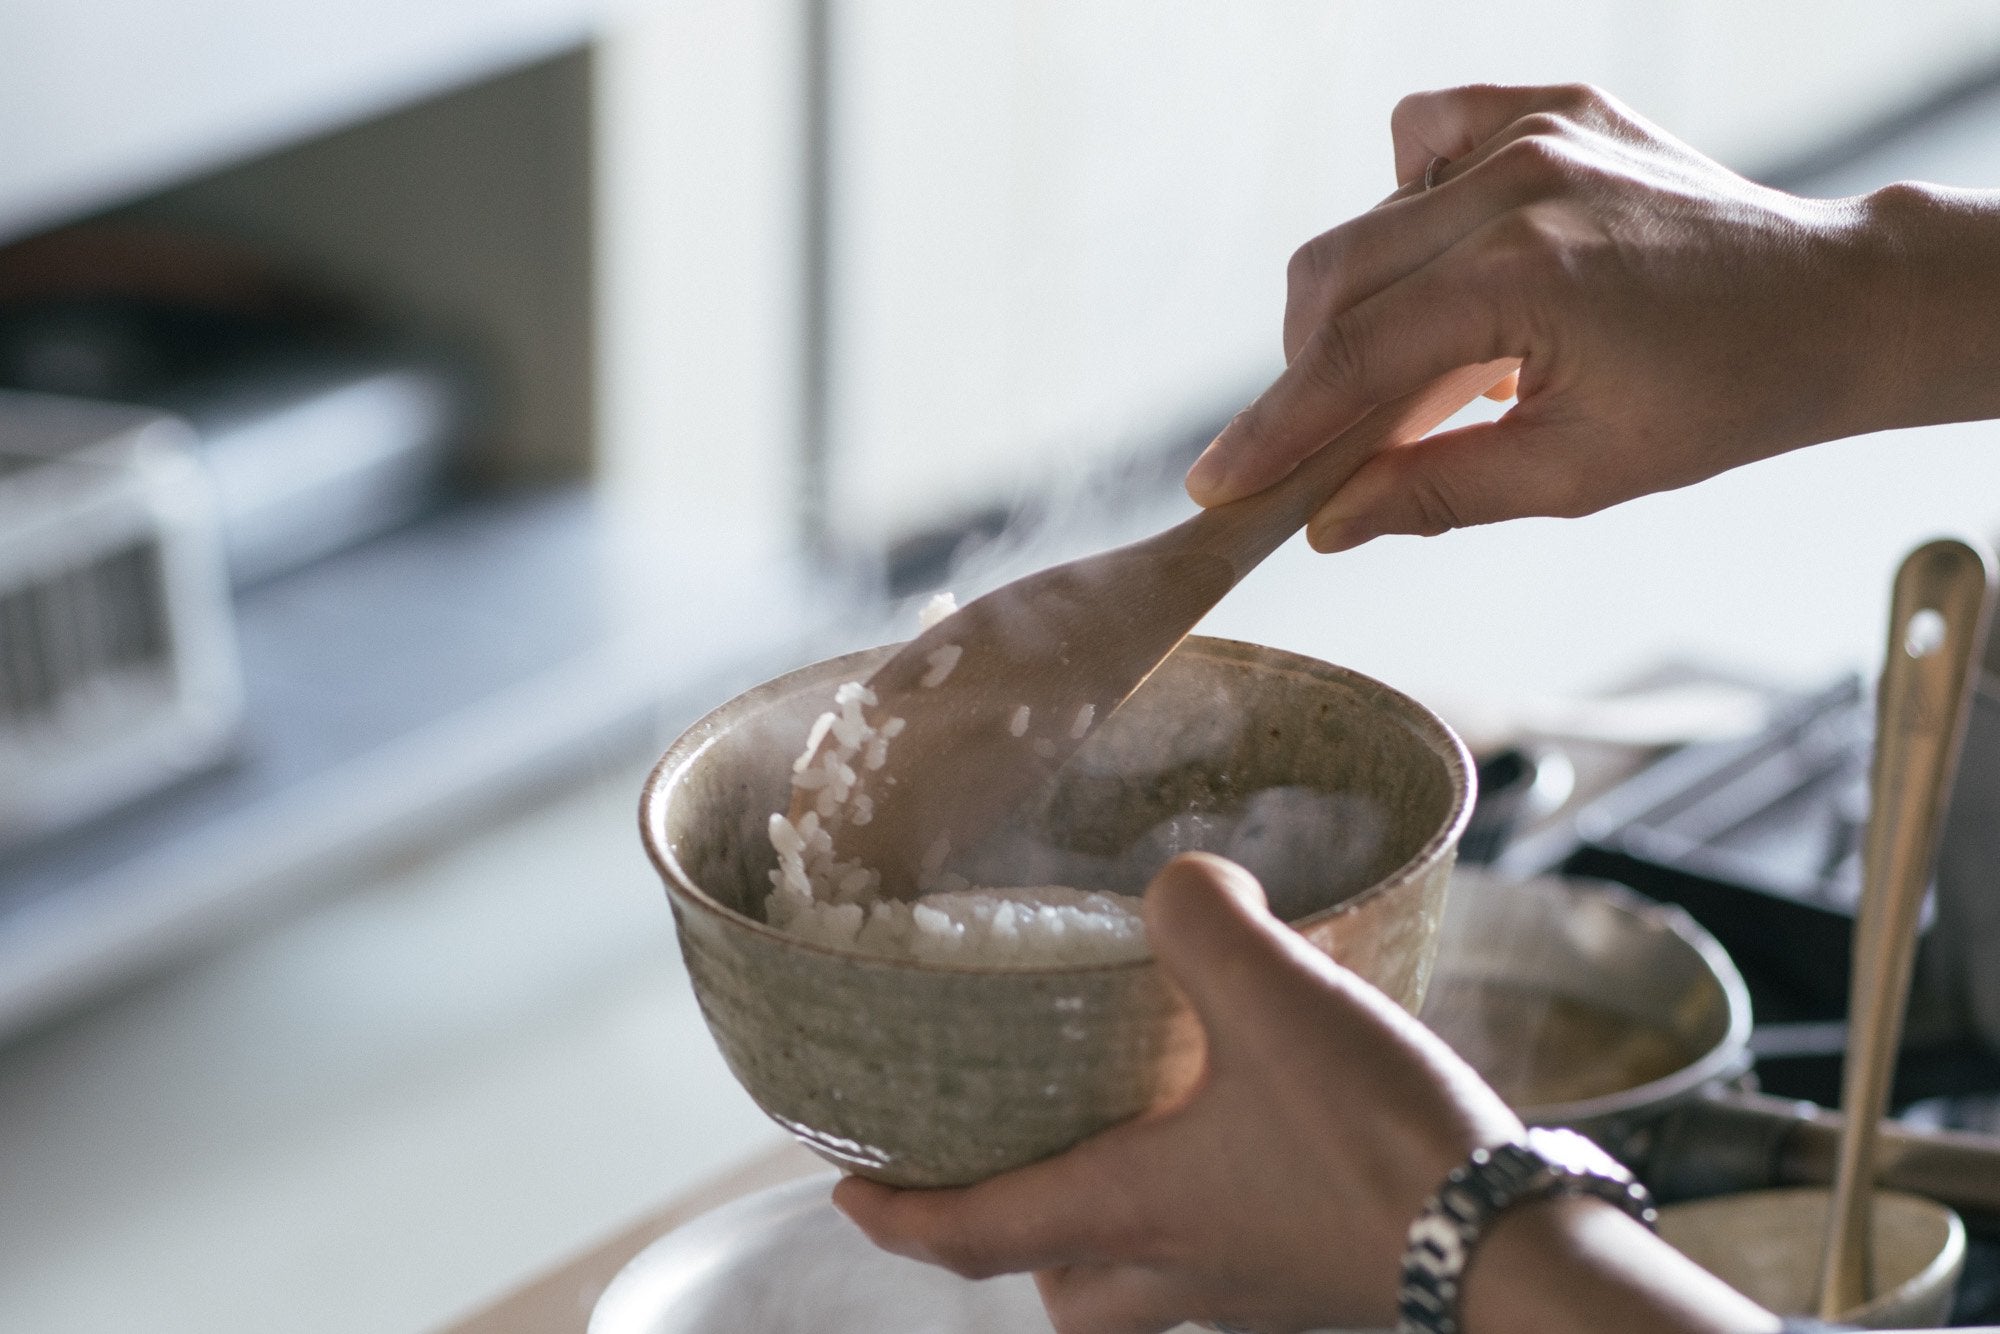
point(1334, 530)
point(1331, 540)
point(1208, 479)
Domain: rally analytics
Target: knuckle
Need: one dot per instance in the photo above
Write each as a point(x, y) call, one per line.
point(1434, 115)
point(1458, 99)
point(1537, 161)
point(1412, 109)
point(1542, 159)
point(1545, 124)
point(1251, 430)
point(1310, 264)
point(1580, 98)
point(1337, 364)
point(1587, 104)
point(1433, 505)
point(1316, 279)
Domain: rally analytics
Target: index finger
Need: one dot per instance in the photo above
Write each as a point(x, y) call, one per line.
point(1444, 316)
point(1076, 1207)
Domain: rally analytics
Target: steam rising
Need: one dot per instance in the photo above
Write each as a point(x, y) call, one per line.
point(1295, 840)
point(1025, 898)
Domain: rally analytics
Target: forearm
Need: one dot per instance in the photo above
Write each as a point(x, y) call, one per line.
point(1579, 1266)
point(1940, 353)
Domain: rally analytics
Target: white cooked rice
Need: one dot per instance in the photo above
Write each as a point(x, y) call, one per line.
point(1084, 717)
point(840, 904)
point(940, 606)
point(1025, 926)
point(941, 661)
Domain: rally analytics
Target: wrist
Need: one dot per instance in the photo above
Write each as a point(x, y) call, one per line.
point(1578, 1265)
point(1540, 1164)
point(1932, 259)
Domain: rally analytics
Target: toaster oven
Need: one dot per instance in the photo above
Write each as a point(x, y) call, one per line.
point(118, 663)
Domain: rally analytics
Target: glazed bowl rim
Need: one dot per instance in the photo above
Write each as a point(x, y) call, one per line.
point(692, 743)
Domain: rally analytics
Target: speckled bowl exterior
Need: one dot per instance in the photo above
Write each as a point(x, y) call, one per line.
point(930, 1075)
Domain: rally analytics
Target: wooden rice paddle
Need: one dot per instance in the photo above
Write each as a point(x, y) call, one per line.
point(1937, 623)
point(1070, 643)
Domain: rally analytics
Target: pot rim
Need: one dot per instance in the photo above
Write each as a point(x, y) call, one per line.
point(1945, 1267)
point(689, 746)
point(1726, 1058)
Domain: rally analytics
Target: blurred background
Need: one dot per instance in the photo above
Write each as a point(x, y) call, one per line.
point(414, 412)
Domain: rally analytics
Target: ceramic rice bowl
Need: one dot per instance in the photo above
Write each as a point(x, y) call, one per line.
point(929, 1074)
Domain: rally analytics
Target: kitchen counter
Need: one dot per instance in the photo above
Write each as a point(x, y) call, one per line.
point(379, 1112)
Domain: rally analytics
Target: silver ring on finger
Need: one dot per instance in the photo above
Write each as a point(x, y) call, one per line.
point(1431, 171)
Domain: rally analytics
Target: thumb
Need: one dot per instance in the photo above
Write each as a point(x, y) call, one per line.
point(1484, 473)
point(1211, 930)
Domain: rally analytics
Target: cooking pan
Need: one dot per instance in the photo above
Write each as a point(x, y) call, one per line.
point(1583, 1003)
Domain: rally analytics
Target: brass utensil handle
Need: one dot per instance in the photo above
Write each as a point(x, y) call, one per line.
point(1937, 626)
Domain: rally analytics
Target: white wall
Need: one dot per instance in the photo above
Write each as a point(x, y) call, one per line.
point(698, 279)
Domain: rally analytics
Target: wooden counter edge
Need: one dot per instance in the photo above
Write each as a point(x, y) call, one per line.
point(560, 1301)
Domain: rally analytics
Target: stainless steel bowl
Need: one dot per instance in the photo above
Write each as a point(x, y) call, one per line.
point(1583, 1002)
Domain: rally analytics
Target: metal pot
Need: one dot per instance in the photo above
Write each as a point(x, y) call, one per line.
point(1649, 975)
point(1582, 1002)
